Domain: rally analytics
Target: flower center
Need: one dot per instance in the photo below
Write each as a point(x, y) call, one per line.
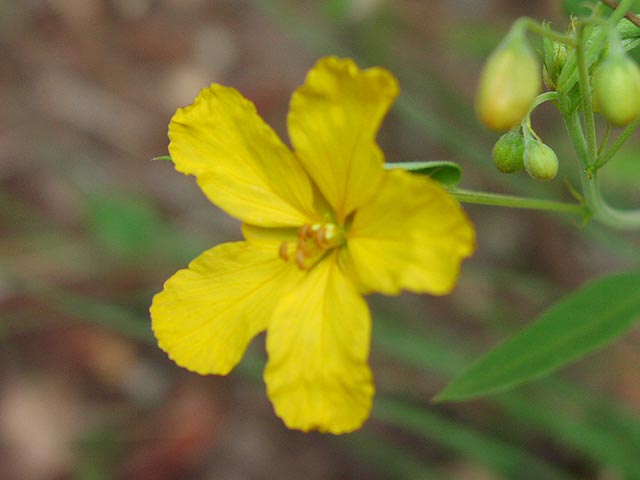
point(313, 241)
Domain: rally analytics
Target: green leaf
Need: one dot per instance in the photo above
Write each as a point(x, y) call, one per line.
point(166, 158)
point(577, 325)
point(447, 173)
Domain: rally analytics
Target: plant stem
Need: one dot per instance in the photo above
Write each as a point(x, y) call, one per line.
point(620, 11)
point(594, 202)
point(611, 151)
point(601, 210)
point(630, 16)
point(587, 105)
point(572, 123)
point(496, 199)
point(535, 27)
point(544, 97)
point(603, 143)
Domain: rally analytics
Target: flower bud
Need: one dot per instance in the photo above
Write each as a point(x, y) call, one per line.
point(616, 86)
point(555, 56)
point(509, 83)
point(508, 152)
point(540, 161)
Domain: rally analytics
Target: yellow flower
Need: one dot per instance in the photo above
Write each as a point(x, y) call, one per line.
point(323, 225)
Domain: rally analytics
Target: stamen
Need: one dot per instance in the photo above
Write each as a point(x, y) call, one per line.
point(312, 242)
point(303, 233)
point(300, 260)
point(324, 235)
point(321, 239)
point(284, 251)
point(330, 231)
point(304, 248)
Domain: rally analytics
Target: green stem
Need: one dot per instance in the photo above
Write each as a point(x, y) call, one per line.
point(587, 105)
point(496, 199)
point(544, 97)
point(601, 210)
point(603, 143)
point(611, 151)
point(572, 123)
point(621, 10)
point(535, 27)
point(527, 130)
point(595, 204)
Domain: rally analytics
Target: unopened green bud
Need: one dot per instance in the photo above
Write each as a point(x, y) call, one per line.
point(555, 56)
point(509, 83)
point(616, 86)
point(540, 161)
point(508, 152)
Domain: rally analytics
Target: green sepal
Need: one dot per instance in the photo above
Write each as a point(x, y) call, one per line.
point(445, 172)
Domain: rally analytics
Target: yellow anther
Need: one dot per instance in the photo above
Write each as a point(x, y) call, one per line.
point(312, 242)
point(330, 231)
point(284, 251)
point(320, 239)
point(303, 233)
point(300, 260)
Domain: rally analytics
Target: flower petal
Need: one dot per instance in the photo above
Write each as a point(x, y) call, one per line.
point(208, 313)
point(333, 121)
point(318, 343)
point(239, 161)
point(412, 236)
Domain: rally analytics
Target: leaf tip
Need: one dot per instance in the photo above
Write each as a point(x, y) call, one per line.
point(440, 397)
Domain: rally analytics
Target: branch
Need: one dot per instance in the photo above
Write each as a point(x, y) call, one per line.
point(630, 16)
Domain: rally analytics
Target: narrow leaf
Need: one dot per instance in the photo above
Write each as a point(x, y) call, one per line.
point(447, 173)
point(166, 158)
point(505, 459)
point(577, 325)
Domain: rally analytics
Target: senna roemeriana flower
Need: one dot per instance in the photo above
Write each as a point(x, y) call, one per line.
point(323, 225)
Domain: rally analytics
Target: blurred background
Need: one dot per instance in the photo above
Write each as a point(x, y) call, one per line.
point(91, 227)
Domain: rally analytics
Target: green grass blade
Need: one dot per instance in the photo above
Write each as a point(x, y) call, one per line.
point(590, 424)
point(509, 461)
point(594, 431)
point(383, 455)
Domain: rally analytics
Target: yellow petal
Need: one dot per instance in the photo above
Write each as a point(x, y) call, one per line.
point(239, 161)
point(412, 236)
point(333, 121)
point(207, 314)
point(318, 343)
point(285, 234)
